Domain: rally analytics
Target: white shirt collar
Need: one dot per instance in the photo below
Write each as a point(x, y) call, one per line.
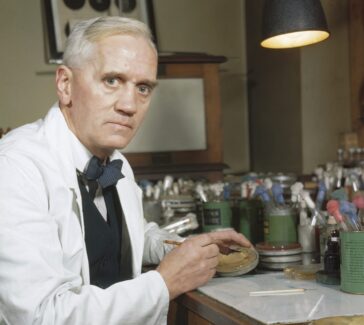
point(81, 155)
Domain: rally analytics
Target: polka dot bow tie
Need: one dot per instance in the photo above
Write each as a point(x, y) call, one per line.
point(105, 175)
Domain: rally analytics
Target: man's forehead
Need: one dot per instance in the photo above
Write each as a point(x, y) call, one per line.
point(128, 48)
point(127, 40)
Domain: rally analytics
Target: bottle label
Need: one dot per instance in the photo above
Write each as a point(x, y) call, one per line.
point(212, 217)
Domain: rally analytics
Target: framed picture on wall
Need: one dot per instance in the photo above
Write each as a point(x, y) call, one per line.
point(59, 17)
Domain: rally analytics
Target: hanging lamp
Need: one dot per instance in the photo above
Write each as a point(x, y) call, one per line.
point(293, 23)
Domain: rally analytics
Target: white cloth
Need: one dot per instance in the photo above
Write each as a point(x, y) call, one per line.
point(44, 272)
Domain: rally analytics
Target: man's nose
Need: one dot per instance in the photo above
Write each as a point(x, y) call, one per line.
point(127, 100)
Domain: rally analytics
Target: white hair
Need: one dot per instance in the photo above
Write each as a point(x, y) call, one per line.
point(85, 34)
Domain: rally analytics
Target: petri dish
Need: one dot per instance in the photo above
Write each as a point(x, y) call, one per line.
point(278, 249)
point(242, 261)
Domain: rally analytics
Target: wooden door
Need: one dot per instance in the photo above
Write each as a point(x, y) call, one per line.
point(356, 47)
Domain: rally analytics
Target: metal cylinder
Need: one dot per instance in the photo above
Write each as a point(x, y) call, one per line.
point(280, 225)
point(216, 215)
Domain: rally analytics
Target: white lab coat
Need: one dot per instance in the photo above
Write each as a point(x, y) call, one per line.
point(44, 272)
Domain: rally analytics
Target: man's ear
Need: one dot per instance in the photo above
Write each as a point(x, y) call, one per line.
point(63, 85)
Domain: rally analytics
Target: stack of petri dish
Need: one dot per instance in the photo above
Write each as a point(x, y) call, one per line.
point(278, 256)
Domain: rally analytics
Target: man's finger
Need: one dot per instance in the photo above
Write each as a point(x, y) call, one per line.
point(229, 237)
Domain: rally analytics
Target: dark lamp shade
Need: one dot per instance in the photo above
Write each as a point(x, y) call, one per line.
point(293, 23)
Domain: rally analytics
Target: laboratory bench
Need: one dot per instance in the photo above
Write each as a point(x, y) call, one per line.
point(198, 309)
point(227, 300)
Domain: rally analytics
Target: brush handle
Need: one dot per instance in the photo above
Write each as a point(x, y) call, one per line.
point(283, 292)
point(172, 242)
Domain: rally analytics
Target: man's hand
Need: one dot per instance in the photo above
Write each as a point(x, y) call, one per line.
point(194, 262)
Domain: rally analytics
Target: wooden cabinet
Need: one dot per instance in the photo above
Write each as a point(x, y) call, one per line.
point(194, 308)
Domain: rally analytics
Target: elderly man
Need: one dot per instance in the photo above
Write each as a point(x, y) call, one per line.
point(72, 233)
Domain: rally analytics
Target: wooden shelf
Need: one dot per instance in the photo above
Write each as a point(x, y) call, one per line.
point(211, 172)
point(167, 58)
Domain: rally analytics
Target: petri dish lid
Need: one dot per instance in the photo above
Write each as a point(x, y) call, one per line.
point(237, 263)
point(303, 272)
point(278, 249)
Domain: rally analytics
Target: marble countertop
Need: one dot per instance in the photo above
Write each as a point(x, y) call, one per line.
point(316, 302)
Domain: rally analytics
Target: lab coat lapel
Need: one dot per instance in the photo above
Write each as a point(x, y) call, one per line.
point(56, 130)
point(58, 137)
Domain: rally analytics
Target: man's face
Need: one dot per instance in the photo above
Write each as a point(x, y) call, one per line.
point(110, 94)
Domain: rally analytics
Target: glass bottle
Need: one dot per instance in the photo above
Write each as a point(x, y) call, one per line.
point(332, 253)
point(325, 233)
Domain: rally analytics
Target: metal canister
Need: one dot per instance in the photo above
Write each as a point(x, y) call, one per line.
point(216, 215)
point(352, 261)
point(280, 225)
point(251, 214)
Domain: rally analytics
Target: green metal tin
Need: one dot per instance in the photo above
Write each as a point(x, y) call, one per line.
point(352, 261)
point(216, 215)
point(280, 225)
point(251, 214)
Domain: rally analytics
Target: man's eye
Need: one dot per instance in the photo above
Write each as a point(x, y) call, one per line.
point(144, 89)
point(111, 81)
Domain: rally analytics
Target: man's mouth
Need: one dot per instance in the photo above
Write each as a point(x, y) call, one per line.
point(123, 125)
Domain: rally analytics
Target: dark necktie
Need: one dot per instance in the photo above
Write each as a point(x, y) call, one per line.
point(104, 175)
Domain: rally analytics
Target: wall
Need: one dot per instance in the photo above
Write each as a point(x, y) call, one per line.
point(209, 26)
point(214, 27)
point(298, 98)
point(274, 101)
point(27, 83)
point(325, 90)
